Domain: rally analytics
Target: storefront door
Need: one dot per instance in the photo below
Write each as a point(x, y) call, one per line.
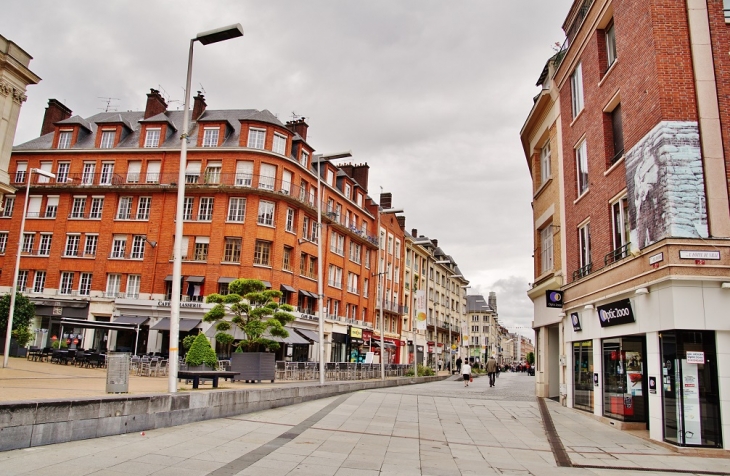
point(583, 375)
point(624, 379)
point(690, 395)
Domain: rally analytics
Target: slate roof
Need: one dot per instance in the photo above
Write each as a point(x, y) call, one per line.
point(132, 119)
point(473, 306)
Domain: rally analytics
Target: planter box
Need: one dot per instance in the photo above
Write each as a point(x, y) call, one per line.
point(254, 366)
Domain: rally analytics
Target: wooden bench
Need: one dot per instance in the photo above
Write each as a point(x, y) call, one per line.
point(196, 375)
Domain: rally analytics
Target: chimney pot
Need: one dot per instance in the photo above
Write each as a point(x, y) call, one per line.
point(298, 127)
point(198, 106)
point(414, 233)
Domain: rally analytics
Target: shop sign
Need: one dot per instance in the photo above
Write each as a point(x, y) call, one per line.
point(616, 313)
point(686, 254)
point(554, 299)
point(595, 379)
point(57, 311)
point(652, 384)
point(695, 357)
point(193, 304)
point(356, 332)
point(691, 407)
point(575, 319)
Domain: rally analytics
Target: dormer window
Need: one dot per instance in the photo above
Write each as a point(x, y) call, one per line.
point(210, 136)
point(107, 139)
point(152, 138)
point(347, 190)
point(20, 172)
point(64, 139)
point(304, 159)
point(256, 138)
point(279, 143)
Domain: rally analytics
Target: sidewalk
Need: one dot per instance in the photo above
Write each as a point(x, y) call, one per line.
point(592, 444)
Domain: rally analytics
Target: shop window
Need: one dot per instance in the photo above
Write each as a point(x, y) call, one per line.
point(624, 379)
point(583, 375)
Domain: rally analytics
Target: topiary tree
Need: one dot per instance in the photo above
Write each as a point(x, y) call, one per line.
point(254, 311)
point(188, 341)
point(225, 340)
point(22, 316)
point(201, 352)
point(530, 357)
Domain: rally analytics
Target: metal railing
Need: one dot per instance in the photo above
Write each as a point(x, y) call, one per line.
point(617, 255)
point(582, 272)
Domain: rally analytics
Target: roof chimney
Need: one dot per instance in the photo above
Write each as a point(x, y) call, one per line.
point(414, 233)
point(435, 243)
point(198, 106)
point(401, 221)
point(155, 104)
point(360, 174)
point(386, 200)
point(298, 126)
point(54, 112)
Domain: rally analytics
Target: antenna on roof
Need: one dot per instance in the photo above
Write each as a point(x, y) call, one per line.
point(295, 116)
point(202, 88)
point(109, 107)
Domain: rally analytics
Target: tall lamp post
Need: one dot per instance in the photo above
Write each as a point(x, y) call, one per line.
point(16, 273)
point(386, 211)
point(320, 290)
point(205, 38)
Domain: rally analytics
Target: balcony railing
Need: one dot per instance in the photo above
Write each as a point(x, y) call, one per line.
point(617, 255)
point(582, 272)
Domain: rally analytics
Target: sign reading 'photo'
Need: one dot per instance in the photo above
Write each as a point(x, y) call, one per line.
point(616, 313)
point(554, 299)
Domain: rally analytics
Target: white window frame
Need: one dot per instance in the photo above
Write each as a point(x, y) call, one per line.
point(51, 207)
point(124, 208)
point(236, 209)
point(144, 205)
point(107, 139)
point(67, 283)
point(97, 207)
point(62, 172)
point(87, 176)
point(211, 135)
point(290, 216)
point(546, 249)
point(73, 240)
point(304, 159)
point(576, 90)
point(119, 247)
point(279, 145)
point(213, 172)
point(581, 167)
point(21, 172)
point(134, 167)
point(621, 236)
point(205, 209)
point(64, 139)
point(256, 138)
point(153, 171)
point(44, 246)
point(85, 284)
point(267, 210)
point(267, 176)
point(39, 281)
point(584, 244)
point(113, 284)
point(138, 242)
point(91, 243)
point(152, 137)
point(133, 285)
point(3, 241)
point(244, 173)
point(107, 173)
point(610, 44)
point(545, 172)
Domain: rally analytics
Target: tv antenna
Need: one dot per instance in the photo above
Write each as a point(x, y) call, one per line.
point(202, 89)
point(109, 107)
point(295, 116)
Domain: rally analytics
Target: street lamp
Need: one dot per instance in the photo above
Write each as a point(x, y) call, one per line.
point(320, 291)
point(205, 38)
point(14, 287)
point(386, 211)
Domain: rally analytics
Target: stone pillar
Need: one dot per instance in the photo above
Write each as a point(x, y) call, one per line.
point(654, 369)
point(598, 368)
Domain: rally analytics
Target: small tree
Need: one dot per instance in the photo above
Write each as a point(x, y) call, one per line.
point(22, 336)
point(22, 316)
point(254, 311)
point(201, 353)
point(530, 357)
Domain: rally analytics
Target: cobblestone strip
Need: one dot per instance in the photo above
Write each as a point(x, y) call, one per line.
point(561, 456)
point(243, 462)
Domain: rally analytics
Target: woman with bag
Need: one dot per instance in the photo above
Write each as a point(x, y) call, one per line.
point(466, 372)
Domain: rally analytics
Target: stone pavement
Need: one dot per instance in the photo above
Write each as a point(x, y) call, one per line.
point(439, 428)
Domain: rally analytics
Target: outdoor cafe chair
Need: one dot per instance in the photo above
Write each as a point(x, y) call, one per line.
point(161, 368)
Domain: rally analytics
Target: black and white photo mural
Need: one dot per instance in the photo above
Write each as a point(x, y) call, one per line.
point(665, 185)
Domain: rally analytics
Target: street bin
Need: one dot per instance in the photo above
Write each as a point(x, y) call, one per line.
point(117, 372)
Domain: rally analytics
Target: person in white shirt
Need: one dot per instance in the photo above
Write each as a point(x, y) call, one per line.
point(466, 372)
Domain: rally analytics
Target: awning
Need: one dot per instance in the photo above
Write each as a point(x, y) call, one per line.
point(226, 280)
point(238, 334)
point(307, 293)
point(267, 284)
point(168, 277)
point(195, 279)
point(234, 331)
point(136, 320)
point(84, 324)
point(308, 334)
point(287, 288)
point(186, 325)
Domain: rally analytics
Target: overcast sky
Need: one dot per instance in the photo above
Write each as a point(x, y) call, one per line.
point(431, 94)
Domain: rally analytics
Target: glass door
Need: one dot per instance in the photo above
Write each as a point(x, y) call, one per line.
point(624, 379)
point(583, 375)
point(690, 394)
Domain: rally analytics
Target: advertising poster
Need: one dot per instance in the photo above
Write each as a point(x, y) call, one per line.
point(691, 396)
point(421, 310)
point(634, 373)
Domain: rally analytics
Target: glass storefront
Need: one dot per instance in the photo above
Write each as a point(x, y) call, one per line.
point(624, 379)
point(583, 375)
point(690, 394)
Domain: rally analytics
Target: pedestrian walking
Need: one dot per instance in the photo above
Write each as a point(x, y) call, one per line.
point(492, 370)
point(466, 373)
point(441, 364)
point(458, 365)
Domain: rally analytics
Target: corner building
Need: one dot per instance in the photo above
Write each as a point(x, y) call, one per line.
point(643, 90)
point(98, 242)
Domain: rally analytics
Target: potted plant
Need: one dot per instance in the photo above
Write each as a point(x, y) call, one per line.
point(23, 314)
point(20, 337)
point(201, 355)
point(256, 311)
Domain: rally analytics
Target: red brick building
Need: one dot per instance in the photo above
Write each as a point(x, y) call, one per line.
point(99, 237)
point(643, 97)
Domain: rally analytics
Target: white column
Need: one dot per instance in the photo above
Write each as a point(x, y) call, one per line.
point(654, 369)
point(722, 342)
point(598, 368)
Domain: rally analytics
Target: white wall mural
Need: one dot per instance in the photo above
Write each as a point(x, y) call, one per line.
point(665, 185)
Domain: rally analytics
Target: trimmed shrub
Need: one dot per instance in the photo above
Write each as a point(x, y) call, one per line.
point(201, 353)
